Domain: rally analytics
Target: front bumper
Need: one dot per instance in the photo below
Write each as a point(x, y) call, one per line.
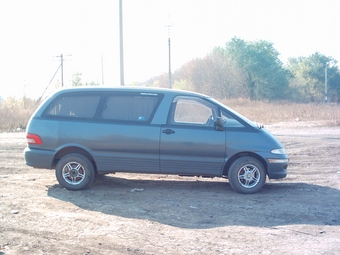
point(277, 168)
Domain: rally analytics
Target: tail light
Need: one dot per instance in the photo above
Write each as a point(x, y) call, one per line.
point(33, 139)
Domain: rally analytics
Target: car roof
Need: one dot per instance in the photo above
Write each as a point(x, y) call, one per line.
point(127, 89)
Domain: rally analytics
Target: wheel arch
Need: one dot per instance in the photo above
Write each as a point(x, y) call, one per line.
point(73, 149)
point(240, 155)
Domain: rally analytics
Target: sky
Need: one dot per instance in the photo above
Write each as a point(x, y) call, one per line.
point(35, 32)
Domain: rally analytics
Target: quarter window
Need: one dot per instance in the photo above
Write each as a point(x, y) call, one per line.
point(230, 121)
point(74, 106)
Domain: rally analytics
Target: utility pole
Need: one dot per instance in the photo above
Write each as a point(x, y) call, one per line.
point(169, 61)
point(62, 68)
point(102, 70)
point(326, 93)
point(329, 63)
point(169, 25)
point(121, 43)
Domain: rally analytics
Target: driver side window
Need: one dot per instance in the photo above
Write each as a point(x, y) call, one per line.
point(192, 111)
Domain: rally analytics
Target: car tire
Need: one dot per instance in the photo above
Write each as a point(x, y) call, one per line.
point(75, 172)
point(247, 175)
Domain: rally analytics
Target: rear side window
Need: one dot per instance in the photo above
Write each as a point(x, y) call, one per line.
point(131, 108)
point(73, 106)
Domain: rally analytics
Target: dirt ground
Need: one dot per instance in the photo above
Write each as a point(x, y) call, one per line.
point(158, 214)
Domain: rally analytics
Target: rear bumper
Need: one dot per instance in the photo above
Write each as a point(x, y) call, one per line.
point(39, 158)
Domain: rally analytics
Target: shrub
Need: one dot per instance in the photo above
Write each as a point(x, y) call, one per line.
point(15, 113)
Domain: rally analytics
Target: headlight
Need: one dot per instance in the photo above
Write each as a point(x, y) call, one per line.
point(279, 151)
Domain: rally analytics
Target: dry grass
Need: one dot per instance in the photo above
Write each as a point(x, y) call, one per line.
point(14, 114)
point(273, 112)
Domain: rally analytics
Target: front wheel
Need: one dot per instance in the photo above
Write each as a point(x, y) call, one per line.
point(75, 172)
point(247, 175)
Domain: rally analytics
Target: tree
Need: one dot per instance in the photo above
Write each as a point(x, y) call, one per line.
point(227, 80)
point(76, 79)
point(264, 72)
point(213, 75)
point(309, 77)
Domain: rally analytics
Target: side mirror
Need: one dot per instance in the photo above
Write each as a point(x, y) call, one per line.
point(218, 125)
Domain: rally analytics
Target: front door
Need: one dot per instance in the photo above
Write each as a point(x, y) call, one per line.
point(189, 143)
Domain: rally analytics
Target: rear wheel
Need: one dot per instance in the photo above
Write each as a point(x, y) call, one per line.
point(247, 175)
point(75, 172)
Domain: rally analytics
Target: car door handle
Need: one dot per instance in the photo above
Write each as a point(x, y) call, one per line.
point(168, 131)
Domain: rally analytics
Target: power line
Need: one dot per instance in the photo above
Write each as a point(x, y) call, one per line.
point(61, 66)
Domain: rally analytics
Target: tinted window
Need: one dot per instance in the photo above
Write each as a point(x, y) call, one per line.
point(137, 108)
point(75, 106)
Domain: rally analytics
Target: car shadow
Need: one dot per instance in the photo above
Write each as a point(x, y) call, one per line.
point(206, 203)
